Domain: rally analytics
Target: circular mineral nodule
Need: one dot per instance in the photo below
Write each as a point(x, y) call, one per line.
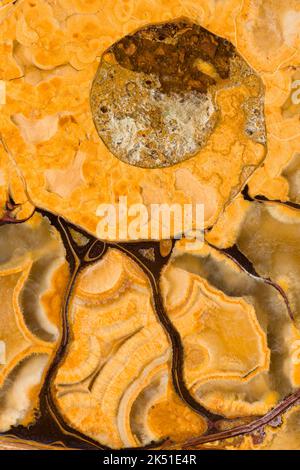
point(153, 97)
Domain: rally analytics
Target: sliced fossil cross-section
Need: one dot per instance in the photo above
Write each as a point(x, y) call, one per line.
point(154, 97)
point(114, 384)
point(33, 277)
point(234, 330)
point(269, 237)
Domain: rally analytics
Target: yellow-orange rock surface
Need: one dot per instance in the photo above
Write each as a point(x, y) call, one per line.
point(202, 350)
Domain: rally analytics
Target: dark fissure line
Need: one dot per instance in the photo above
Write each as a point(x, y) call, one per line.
point(250, 428)
point(50, 426)
point(177, 368)
point(258, 423)
point(245, 264)
point(259, 198)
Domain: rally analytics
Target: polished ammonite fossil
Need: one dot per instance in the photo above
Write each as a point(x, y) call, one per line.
point(110, 342)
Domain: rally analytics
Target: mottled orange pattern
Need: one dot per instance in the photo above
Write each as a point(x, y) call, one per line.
point(187, 357)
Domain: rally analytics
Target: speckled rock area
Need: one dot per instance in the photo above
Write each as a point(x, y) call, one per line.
point(154, 95)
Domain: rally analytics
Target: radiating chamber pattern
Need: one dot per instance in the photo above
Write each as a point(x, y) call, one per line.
point(110, 343)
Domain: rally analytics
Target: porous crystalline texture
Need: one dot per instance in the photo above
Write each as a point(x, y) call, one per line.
point(106, 343)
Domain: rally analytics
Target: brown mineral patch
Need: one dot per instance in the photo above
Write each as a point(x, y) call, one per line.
point(153, 97)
